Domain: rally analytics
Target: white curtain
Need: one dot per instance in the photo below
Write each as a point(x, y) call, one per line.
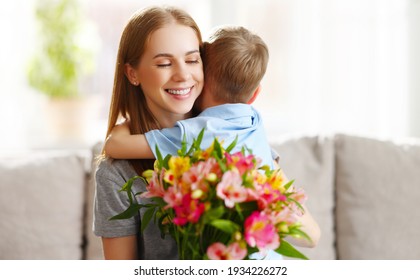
point(335, 65)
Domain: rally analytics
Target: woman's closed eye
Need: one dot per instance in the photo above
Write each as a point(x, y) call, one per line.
point(163, 65)
point(192, 61)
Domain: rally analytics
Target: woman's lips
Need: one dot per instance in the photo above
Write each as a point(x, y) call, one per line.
point(179, 92)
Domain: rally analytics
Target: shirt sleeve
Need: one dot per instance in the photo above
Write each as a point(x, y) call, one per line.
point(109, 202)
point(168, 140)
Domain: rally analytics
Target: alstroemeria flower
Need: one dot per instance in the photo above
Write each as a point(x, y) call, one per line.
point(173, 197)
point(277, 180)
point(267, 196)
point(230, 189)
point(218, 251)
point(196, 177)
point(179, 165)
point(285, 215)
point(190, 210)
point(155, 186)
point(260, 232)
point(241, 162)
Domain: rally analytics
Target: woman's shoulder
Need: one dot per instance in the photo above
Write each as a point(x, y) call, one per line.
point(114, 169)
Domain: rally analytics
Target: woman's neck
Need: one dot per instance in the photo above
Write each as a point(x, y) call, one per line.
point(169, 121)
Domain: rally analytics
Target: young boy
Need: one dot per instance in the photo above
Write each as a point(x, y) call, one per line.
point(235, 61)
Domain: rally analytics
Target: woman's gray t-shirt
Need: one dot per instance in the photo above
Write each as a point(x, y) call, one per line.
point(111, 175)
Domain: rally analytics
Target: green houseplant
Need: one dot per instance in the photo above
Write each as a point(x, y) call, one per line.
point(59, 59)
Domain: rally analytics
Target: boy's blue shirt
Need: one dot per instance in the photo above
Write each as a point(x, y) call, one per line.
point(224, 122)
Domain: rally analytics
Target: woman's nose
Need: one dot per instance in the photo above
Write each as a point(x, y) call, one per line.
point(181, 73)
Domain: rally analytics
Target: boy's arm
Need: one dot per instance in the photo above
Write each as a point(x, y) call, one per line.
point(120, 144)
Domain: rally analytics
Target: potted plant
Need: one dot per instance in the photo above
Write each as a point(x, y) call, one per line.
point(59, 62)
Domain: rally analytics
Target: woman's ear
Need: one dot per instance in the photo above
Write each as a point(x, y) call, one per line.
point(254, 95)
point(131, 74)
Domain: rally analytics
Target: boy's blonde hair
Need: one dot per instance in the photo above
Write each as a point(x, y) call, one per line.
point(235, 61)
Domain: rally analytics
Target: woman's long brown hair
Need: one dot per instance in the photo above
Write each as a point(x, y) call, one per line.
point(127, 100)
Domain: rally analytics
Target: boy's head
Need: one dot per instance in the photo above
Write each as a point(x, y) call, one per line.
point(235, 61)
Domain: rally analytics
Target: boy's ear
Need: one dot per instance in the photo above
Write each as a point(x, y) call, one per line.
point(131, 74)
point(254, 95)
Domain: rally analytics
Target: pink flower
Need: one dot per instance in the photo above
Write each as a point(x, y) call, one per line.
point(218, 251)
point(260, 232)
point(241, 162)
point(190, 210)
point(195, 177)
point(173, 197)
point(286, 215)
point(155, 186)
point(230, 189)
point(300, 197)
point(267, 195)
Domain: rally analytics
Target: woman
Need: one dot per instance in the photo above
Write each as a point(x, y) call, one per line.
point(158, 77)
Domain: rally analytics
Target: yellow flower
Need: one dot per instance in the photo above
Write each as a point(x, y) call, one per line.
point(259, 177)
point(179, 165)
point(277, 180)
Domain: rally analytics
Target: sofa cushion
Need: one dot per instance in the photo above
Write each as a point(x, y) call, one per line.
point(310, 162)
point(94, 243)
point(41, 206)
point(378, 191)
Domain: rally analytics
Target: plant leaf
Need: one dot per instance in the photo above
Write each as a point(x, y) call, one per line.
point(159, 157)
point(213, 214)
point(225, 225)
point(232, 145)
point(289, 184)
point(147, 216)
point(286, 249)
point(300, 233)
point(183, 151)
point(128, 213)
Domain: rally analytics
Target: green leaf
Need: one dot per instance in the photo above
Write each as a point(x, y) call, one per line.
point(213, 214)
point(222, 165)
point(218, 149)
point(298, 204)
point(289, 184)
point(232, 145)
point(147, 216)
point(199, 139)
point(128, 213)
point(127, 188)
point(225, 225)
point(159, 157)
point(299, 233)
point(183, 151)
point(165, 163)
point(286, 249)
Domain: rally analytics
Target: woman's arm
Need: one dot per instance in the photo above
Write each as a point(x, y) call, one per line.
point(310, 227)
point(120, 144)
point(120, 248)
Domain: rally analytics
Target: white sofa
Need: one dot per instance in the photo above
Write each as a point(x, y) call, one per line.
point(364, 193)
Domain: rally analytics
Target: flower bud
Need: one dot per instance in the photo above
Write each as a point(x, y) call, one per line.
point(211, 177)
point(282, 227)
point(196, 194)
point(148, 174)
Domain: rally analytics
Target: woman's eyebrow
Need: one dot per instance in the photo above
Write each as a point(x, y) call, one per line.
point(171, 55)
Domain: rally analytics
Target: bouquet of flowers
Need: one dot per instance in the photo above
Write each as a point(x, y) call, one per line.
point(219, 205)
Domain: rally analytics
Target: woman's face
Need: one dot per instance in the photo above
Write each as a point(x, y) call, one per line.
point(170, 72)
